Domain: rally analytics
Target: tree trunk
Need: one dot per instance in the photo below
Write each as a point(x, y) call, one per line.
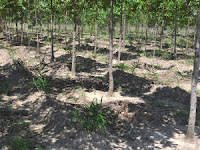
point(188, 34)
point(6, 26)
point(96, 31)
point(22, 32)
point(1, 24)
point(175, 54)
point(79, 36)
point(111, 82)
point(138, 29)
point(124, 35)
point(146, 36)
point(52, 51)
point(161, 35)
point(59, 29)
point(16, 26)
point(36, 26)
point(195, 39)
point(120, 38)
point(81, 28)
point(162, 30)
point(55, 28)
point(195, 75)
point(28, 21)
point(9, 30)
point(65, 28)
point(142, 27)
point(41, 27)
point(73, 71)
point(154, 45)
point(66, 23)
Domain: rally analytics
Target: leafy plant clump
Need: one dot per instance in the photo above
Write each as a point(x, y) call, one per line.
point(18, 143)
point(123, 67)
point(43, 84)
point(93, 117)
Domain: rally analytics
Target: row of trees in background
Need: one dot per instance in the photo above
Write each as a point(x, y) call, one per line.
point(142, 14)
point(98, 15)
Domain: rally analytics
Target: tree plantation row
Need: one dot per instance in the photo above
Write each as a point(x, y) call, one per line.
point(170, 25)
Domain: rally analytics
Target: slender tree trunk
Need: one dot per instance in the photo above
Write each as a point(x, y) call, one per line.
point(73, 71)
point(142, 27)
point(52, 51)
point(59, 29)
point(36, 26)
point(195, 35)
point(16, 25)
point(55, 29)
point(9, 30)
point(124, 34)
point(1, 24)
point(22, 32)
point(65, 28)
point(120, 38)
point(13, 32)
point(28, 21)
point(66, 23)
point(48, 28)
point(195, 75)
point(79, 37)
point(111, 82)
point(6, 26)
point(188, 34)
point(154, 45)
point(161, 35)
point(81, 28)
point(175, 54)
point(146, 36)
point(162, 30)
point(96, 31)
point(41, 27)
point(138, 29)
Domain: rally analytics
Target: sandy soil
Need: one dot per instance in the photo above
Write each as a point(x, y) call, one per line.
point(146, 106)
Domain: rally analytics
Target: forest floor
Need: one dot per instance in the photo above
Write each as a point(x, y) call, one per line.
point(150, 106)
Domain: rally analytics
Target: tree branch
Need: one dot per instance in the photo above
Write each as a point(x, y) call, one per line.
point(189, 10)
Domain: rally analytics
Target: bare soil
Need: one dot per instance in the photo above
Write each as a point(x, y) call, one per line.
point(150, 106)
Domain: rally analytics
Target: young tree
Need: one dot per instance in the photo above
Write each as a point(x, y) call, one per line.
point(36, 25)
point(120, 38)
point(74, 42)
point(52, 51)
point(195, 75)
point(96, 32)
point(175, 30)
point(124, 33)
point(111, 82)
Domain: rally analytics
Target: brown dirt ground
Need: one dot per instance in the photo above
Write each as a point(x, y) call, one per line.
point(146, 106)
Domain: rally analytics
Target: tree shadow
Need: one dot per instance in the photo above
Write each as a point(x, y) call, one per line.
point(18, 80)
point(86, 47)
point(134, 125)
point(126, 56)
point(131, 48)
point(133, 85)
point(83, 64)
point(103, 51)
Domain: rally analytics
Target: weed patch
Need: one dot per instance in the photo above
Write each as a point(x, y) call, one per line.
point(43, 84)
point(93, 116)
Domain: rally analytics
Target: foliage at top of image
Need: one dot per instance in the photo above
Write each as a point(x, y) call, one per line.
point(92, 117)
